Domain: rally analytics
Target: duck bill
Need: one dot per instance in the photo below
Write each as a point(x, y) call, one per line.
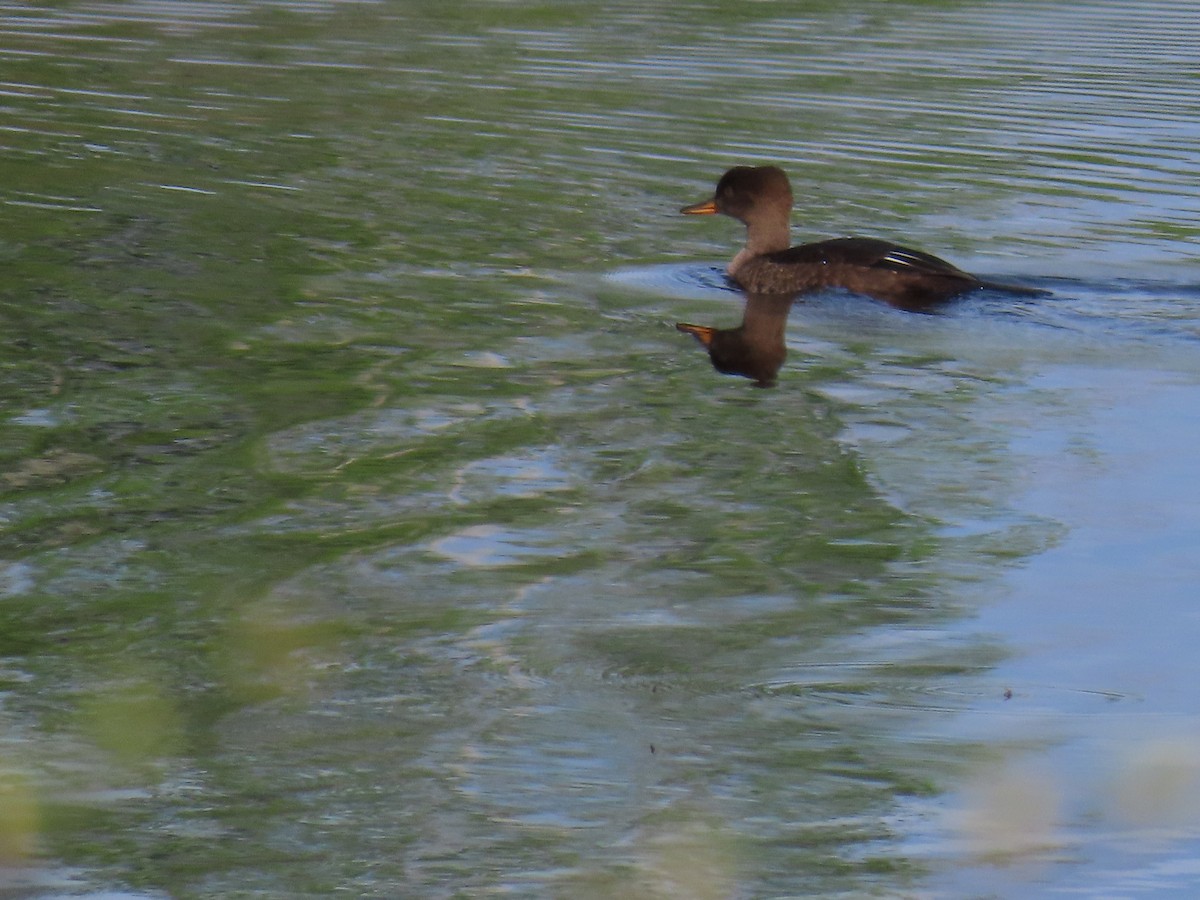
point(702, 333)
point(704, 208)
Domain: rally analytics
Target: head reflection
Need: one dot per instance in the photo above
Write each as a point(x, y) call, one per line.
point(755, 349)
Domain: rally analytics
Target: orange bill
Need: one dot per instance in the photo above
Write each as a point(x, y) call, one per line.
point(702, 333)
point(705, 208)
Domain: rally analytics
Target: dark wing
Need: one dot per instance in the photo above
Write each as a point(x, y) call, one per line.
point(870, 253)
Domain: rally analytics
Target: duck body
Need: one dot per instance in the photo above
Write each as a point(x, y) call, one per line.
point(875, 268)
point(761, 198)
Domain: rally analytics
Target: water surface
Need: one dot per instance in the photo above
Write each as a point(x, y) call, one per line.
point(367, 528)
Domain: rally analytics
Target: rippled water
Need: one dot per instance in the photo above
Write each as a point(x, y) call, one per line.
point(367, 528)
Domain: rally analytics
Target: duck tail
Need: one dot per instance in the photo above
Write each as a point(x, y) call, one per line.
point(1019, 290)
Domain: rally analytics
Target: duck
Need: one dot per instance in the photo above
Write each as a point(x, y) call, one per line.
point(760, 197)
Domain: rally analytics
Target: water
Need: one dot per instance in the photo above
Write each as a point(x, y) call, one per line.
point(367, 528)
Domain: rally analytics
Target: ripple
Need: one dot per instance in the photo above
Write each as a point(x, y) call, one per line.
point(492, 546)
point(530, 473)
point(684, 280)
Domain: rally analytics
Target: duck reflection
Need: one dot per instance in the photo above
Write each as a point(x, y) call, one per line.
point(756, 348)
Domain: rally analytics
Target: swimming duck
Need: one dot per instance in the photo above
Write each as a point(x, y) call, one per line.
point(761, 198)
